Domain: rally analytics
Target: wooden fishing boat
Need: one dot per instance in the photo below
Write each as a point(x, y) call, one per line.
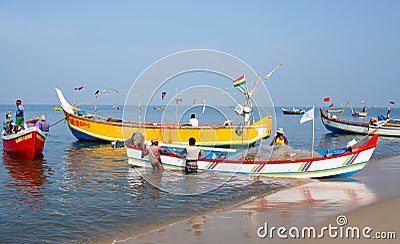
point(293, 111)
point(28, 143)
point(380, 126)
point(55, 108)
point(104, 129)
point(335, 110)
point(333, 163)
point(159, 107)
point(361, 114)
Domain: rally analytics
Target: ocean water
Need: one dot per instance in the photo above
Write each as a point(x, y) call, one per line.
point(86, 192)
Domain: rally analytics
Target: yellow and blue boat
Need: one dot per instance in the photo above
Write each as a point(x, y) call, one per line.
point(90, 127)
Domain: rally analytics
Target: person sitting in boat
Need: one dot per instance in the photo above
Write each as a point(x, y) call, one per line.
point(43, 125)
point(19, 116)
point(192, 155)
point(7, 124)
point(279, 139)
point(193, 121)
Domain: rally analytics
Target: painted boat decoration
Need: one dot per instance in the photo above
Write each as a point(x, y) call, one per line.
point(332, 163)
point(28, 143)
point(380, 125)
point(293, 111)
point(104, 129)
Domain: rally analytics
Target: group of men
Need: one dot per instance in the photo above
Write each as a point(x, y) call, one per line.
point(191, 153)
point(19, 124)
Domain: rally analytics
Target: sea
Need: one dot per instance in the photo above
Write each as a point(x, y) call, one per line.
point(83, 192)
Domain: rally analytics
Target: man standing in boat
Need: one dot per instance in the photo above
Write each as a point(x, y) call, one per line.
point(279, 139)
point(19, 116)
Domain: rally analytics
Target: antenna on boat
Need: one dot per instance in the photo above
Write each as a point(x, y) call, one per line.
point(176, 106)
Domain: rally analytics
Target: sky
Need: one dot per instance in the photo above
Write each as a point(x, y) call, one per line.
point(346, 49)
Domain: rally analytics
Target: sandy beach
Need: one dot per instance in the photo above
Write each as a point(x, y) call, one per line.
point(368, 200)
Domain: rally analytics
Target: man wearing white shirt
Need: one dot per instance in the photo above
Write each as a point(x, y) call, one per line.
point(193, 121)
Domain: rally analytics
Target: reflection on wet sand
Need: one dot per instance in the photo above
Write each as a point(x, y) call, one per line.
point(196, 224)
point(29, 177)
point(327, 197)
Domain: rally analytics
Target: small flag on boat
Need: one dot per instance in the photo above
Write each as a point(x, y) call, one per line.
point(79, 88)
point(309, 115)
point(163, 94)
point(331, 105)
point(239, 81)
point(97, 93)
point(327, 99)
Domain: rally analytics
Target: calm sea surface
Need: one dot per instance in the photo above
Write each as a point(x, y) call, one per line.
point(86, 192)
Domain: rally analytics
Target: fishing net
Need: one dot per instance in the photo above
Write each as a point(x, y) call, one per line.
point(268, 153)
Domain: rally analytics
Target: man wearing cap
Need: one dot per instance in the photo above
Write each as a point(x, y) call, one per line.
point(279, 139)
point(19, 116)
point(155, 155)
point(43, 125)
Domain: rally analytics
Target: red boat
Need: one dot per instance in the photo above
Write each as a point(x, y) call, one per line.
point(28, 143)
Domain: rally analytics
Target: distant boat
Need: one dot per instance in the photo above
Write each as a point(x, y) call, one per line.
point(293, 111)
point(28, 143)
point(381, 125)
point(159, 107)
point(361, 114)
point(55, 108)
point(335, 110)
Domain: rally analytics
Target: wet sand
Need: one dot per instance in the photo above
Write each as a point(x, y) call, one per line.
point(369, 199)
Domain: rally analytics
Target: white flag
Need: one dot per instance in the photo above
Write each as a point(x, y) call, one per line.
point(309, 115)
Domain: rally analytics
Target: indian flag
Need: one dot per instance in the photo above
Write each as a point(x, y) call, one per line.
point(239, 81)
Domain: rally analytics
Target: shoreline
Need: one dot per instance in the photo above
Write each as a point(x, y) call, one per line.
point(310, 204)
point(167, 224)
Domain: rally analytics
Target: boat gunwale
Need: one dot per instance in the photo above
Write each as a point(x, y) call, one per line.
point(131, 123)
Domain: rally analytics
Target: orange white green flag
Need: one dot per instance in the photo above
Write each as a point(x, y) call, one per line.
point(239, 81)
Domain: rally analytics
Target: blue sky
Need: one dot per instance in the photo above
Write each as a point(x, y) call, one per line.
point(348, 50)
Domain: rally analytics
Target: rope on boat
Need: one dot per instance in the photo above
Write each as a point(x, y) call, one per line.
point(56, 123)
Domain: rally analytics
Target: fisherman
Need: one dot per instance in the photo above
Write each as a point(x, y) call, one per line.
point(7, 124)
point(193, 121)
point(19, 116)
point(43, 125)
point(155, 152)
point(192, 155)
point(279, 139)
